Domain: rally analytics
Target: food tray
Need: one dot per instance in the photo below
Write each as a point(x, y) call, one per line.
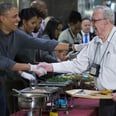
point(92, 94)
point(55, 84)
point(40, 90)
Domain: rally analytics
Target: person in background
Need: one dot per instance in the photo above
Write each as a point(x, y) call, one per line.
point(11, 41)
point(70, 34)
point(28, 21)
point(41, 6)
point(38, 24)
point(98, 57)
point(51, 31)
point(85, 30)
point(47, 19)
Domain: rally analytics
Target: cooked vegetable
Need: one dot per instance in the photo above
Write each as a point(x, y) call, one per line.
point(58, 79)
point(105, 92)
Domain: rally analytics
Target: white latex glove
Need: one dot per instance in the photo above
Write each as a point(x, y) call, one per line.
point(28, 76)
point(38, 70)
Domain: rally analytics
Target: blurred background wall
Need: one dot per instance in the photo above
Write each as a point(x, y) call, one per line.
point(61, 8)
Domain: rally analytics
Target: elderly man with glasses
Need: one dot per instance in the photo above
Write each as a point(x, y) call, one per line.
point(98, 57)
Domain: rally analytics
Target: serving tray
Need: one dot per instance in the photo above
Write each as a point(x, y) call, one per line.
point(55, 84)
point(92, 94)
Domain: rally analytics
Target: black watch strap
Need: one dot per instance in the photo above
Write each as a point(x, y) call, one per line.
point(70, 47)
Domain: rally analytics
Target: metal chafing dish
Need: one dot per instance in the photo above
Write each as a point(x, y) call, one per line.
point(68, 84)
point(49, 91)
point(31, 99)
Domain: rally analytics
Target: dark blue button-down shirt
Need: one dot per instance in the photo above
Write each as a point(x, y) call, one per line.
point(18, 40)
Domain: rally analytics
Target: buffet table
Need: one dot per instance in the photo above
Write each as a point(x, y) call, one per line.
point(64, 83)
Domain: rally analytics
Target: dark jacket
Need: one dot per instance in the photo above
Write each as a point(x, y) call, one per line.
point(90, 34)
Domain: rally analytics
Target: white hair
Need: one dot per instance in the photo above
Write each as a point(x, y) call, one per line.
point(108, 13)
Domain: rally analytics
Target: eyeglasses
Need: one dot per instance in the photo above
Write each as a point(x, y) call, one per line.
point(95, 20)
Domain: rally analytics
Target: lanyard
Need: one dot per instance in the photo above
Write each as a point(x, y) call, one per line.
point(71, 34)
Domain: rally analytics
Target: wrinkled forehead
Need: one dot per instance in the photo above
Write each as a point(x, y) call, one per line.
point(98, 13)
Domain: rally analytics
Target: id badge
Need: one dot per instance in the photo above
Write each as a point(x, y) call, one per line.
point(94, 70)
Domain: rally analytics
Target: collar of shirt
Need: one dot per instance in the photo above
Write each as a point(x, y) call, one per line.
point(84, 33)
point(98, 40)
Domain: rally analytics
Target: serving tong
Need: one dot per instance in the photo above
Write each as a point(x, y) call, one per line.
point(80, 92)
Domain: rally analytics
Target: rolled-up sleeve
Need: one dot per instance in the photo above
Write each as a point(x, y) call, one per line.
point(6, 63)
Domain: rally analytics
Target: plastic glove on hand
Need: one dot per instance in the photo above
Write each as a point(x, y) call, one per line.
point(28, 76)
point(38, 70)
point(47, 66)
point(41, 72)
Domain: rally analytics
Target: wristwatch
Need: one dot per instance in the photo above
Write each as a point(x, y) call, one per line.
point(70, 47)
